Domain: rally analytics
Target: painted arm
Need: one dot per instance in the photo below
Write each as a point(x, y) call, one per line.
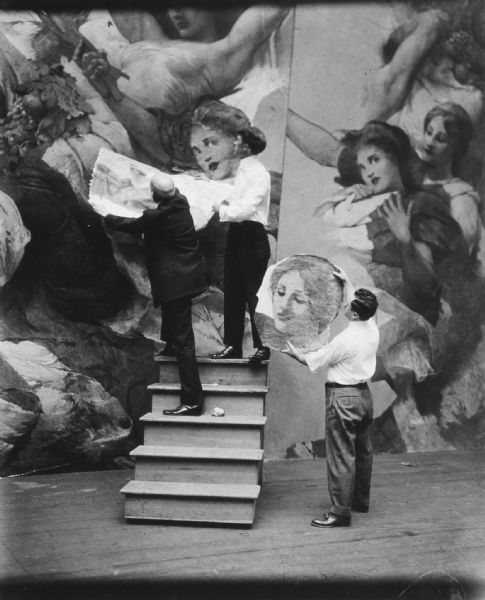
point(391, 85)
point(348, 288)
point(464, 209)
point(138, 26)
point(141, 124)
point(253, 27)
point(226, 61)
point(314, 141)
point(383, 98)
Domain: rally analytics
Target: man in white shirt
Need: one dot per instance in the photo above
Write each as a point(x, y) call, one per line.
point(350, 359)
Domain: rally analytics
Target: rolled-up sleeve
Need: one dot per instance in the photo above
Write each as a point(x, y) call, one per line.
point(327, 355)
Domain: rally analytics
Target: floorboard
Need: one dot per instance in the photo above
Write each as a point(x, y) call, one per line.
point(64, 535)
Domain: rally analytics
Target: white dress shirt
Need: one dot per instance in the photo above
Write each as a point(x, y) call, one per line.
point(249, 200)
point(350, 356)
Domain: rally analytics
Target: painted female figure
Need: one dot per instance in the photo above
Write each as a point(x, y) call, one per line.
point(447, 133)
point(405, 240)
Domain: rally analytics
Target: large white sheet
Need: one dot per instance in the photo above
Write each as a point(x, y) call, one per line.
point(121, 186)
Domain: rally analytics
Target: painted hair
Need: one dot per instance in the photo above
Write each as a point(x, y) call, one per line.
point(221, 116)
point(324, 291)
point(364, 304)
point(230, 120)
point(392, 140)
point(458, 126)
point(254, 138)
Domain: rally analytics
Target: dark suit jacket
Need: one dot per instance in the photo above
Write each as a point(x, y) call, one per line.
point(175, 263)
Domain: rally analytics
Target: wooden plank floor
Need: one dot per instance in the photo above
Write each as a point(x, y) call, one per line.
point(65, 533)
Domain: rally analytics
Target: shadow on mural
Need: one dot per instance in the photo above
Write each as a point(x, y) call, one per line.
point(399, 154)
point(78, 330)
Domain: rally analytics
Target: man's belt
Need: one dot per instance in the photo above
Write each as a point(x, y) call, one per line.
point(359, 386)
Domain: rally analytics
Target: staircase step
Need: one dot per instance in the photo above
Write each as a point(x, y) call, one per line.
point(190, 502)
point(224, 371)
point(204, 431)
point(234, 399)
point(204, 465)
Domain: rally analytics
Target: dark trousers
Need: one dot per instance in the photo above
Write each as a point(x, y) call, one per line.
point(178, 333)
point(246, 260)
point(349, 413)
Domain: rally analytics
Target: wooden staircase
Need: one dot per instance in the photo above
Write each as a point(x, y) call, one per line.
point(205, 469)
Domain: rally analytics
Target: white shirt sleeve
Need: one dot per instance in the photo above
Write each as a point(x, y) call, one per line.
point(244, 205)
point(335, 351)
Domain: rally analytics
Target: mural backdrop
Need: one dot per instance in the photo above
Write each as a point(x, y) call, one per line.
point(384, 177)
point(78, 330)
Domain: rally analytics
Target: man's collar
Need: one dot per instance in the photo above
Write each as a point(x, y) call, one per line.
point(358, 323)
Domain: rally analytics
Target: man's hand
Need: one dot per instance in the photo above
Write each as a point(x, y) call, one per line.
point(294, 353)
point(341, 274)
point(348, 288)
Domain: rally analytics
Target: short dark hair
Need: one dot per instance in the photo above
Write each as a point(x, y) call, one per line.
point(364, 304)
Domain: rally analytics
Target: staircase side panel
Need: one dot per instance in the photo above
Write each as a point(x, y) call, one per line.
point(192, 510)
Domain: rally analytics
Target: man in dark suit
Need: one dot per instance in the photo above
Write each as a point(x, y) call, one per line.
point(177, 272)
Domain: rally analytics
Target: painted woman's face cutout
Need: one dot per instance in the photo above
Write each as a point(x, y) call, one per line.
point(291, 305)
point(378, 170)
point(215, 152)
point(298, 300)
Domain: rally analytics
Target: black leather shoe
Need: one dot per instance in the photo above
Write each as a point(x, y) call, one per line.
point(330, 520)
point(260, 355)
point(184, 410)
point(228, 352)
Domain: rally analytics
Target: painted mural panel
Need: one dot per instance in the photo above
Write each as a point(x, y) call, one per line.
point(384, 178)
point(78, 329)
